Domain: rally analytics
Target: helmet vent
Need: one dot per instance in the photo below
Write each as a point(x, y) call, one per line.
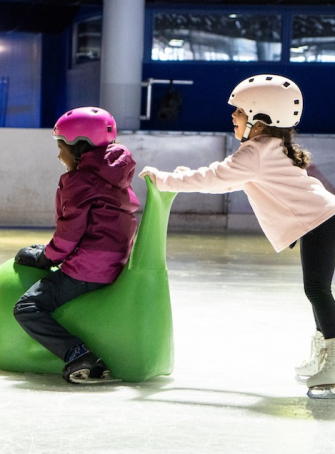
point(263, 118)
point(251, 80)
point(109, 129)
point(269, 78)
point(286, 84)
point(296, 101)
point(69, 113)
point(296, 112)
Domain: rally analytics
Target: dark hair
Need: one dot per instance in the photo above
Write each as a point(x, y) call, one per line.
point(301, 157)
point(79, 148)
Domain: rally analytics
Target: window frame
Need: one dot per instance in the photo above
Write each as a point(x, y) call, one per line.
point(287, 12)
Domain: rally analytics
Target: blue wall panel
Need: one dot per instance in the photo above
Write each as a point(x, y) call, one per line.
point(20, 61)
point(204, 105)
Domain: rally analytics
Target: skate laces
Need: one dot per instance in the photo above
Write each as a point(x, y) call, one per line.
point(76, 352)
point(319, 347)
point(317, 350)
point(329, 356)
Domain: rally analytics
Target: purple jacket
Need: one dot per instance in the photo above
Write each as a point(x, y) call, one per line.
point(95, 225)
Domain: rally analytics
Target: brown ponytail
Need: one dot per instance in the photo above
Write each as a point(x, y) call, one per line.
point(301, 158)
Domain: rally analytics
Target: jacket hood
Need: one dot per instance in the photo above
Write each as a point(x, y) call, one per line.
point(113, 164)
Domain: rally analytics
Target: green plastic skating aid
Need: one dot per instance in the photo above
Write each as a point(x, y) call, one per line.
point(128, 323)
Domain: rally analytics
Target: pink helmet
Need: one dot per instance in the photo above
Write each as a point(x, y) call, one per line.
point(95, 125)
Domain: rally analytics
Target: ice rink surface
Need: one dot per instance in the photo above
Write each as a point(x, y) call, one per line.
point(241, 324)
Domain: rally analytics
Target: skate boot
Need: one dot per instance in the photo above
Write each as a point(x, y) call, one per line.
point(322, 384)
point(85, 368)
point(313, 365)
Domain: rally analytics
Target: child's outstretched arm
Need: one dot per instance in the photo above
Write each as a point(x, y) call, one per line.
point(218, 178)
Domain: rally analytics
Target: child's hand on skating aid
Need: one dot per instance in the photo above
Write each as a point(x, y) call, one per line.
point(34, 256)
point(150, 172)
point(181, 169)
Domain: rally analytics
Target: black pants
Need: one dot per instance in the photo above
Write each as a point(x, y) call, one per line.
point(317, 249)
point(34, 308)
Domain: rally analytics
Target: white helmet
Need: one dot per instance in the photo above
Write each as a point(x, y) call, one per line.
point(273, 100)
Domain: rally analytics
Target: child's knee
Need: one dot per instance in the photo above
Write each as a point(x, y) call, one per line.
point(316, 291)
point(25, 309)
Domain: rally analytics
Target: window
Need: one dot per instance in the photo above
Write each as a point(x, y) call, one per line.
point(313, 39)
point(87, 40)
point(216, 37)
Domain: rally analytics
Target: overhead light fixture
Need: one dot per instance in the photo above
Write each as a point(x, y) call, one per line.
point(176, 42)
point(299, 49)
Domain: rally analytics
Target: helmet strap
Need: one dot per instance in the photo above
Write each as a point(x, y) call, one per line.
point(80, 148)
point(247, 130)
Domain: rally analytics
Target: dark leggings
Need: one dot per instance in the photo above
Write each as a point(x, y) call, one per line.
point(34, 310)
point(317, 250)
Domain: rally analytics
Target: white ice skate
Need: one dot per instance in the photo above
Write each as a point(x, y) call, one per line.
point(322, 384)
point(313, 365)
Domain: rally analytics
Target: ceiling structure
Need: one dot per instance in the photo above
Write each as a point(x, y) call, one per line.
point(53, 16)
point(77, 3)
point(243, 2)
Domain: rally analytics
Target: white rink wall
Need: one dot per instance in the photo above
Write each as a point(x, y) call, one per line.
point(29, 173)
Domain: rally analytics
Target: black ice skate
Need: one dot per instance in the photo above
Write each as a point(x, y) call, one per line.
point(86, 368)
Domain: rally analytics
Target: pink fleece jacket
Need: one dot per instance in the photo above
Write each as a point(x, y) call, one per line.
point(287, 202)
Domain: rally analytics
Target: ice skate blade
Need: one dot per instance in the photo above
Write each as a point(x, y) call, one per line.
point(85, 379)
point(79, 376)
point(97, 382)
point(321, 392)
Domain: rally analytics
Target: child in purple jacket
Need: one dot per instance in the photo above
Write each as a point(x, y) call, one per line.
point(95, 229)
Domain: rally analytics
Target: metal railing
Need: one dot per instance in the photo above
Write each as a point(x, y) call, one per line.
point(149, 83)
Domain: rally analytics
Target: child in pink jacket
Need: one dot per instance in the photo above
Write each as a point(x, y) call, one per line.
point(288, 203)
point(95, 229)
